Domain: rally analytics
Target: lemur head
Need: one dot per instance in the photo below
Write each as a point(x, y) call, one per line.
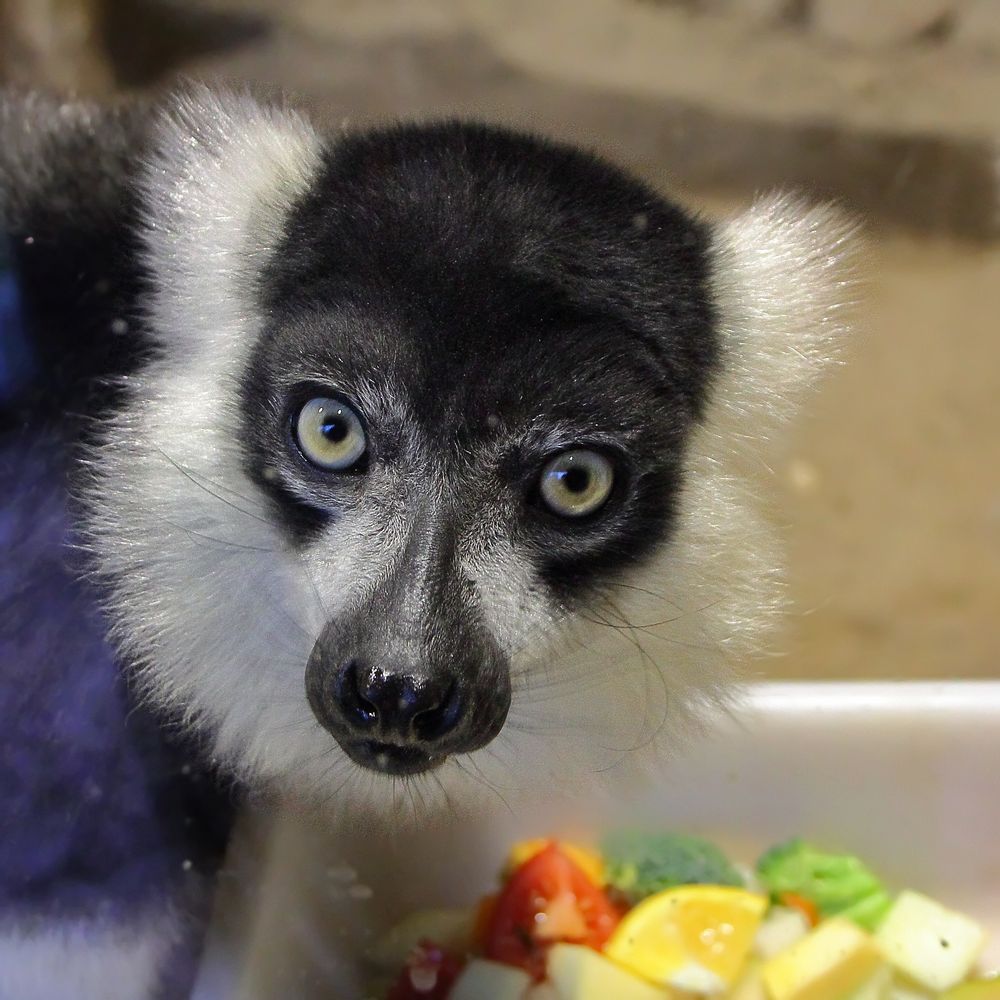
point(448, 427)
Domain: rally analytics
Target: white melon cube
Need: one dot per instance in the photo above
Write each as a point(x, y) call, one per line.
point(782, 928)
point(933, 945)
point(483, 980)
point(580, 973)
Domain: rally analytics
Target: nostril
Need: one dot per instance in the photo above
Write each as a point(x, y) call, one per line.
point(356, 707)
point(433, 723)
point(394, 705)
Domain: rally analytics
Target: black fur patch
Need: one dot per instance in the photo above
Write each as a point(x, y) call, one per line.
point(69, 206)
point(503, 282)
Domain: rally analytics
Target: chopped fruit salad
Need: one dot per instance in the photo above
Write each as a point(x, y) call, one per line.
point(668, 917)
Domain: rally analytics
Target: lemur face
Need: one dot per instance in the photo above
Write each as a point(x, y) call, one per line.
point(438, 411)
point(467, 409)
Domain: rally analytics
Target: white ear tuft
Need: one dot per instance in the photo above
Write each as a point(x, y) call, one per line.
point(783, 286)
point(222, 175)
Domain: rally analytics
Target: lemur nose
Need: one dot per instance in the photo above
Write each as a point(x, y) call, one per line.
point(396, 704)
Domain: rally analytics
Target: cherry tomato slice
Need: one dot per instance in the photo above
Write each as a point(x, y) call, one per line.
point(548, 899)
point(429, 974)
point(483, 918)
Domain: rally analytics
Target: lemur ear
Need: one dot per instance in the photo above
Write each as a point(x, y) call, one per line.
point(783, 286)
point(222, 174)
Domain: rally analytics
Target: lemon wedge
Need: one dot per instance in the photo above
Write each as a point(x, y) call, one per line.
point(694, 937)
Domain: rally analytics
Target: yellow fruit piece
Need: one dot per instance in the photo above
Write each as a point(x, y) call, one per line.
point(875, 987)
point(833, 960)
point(694, 937)
point(579, 973)
point(979, 989)
point(750, 985)
point(587, 860)
point(907, 991)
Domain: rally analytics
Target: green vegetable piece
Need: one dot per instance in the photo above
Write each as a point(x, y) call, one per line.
point(638, 864)
point(838, 884)
point(869, 912)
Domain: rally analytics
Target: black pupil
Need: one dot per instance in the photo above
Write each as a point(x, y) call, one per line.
point(334, 428)
point(576, 480)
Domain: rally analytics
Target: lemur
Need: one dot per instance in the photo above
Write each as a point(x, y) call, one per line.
point(331, 462)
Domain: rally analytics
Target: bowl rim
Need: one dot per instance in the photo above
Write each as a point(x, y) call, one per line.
point(977, 697)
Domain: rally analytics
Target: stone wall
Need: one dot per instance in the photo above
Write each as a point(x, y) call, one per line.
point(97, 47)
point(887, 105)
point(973, 25)
point(54, 43)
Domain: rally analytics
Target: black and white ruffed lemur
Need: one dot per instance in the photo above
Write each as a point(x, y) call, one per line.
point(335, 461)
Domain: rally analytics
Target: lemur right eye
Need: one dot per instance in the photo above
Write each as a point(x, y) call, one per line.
point(577, 482)
point(330, 434)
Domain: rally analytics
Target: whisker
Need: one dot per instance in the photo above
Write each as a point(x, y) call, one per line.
point(279, 607)
point(327, 800)
point(481, 778)
point(252, 500)
point(650, 666)
point(323, 610)
point(641, 590)
point(191, 477)
point(408, 788)
point(219, 541)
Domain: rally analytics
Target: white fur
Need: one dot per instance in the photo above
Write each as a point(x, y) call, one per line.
point(223, 616)
point(220, 615)
point(84, 961)
point(222, 176)
point(783, 286)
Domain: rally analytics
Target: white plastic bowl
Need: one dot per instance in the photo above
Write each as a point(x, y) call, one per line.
point(906, 775)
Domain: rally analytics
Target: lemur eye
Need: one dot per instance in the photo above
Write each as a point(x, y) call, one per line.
point(577, 482)
point(330, 434)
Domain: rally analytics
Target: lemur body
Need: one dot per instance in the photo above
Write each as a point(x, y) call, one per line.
point(364, 441)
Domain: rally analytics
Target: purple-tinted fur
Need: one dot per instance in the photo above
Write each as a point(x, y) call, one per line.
point(97, 816)
point(106, 816)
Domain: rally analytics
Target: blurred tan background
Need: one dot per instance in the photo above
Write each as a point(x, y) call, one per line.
point(892, 486)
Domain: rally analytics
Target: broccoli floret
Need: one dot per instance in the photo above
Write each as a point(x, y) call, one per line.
point(838, 884)
point(638, 864)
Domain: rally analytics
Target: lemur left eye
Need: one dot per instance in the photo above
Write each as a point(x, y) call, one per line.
point(330, 434)
point(577, 482)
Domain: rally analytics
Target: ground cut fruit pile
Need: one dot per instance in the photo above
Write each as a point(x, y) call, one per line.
point(661, 916)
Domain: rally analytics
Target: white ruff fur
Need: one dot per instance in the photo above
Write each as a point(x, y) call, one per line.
point(81, 961)
point(222, 616)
